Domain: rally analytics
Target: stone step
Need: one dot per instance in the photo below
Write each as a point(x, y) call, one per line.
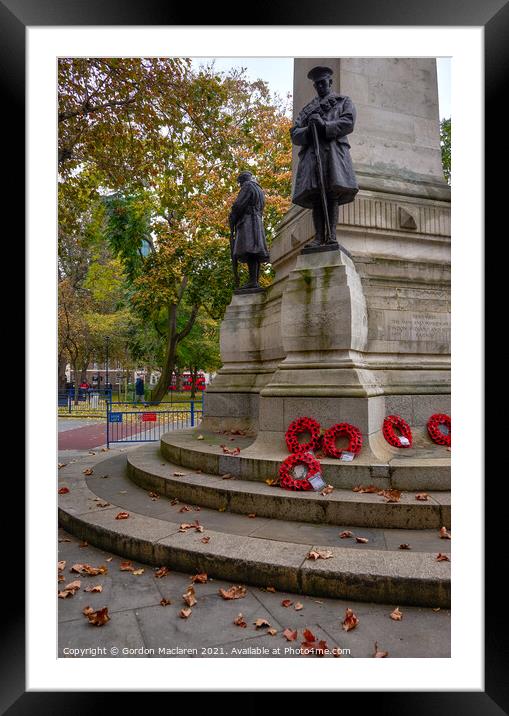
point(148, 469)
point(423, 467)
point(380, 575)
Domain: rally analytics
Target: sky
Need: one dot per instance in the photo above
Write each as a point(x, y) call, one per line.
point(278, 72)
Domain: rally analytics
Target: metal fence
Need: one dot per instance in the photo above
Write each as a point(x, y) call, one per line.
point(126, 424)
point(94, 402)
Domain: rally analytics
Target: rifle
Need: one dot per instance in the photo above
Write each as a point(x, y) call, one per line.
point(321, 182)
point(235, 263)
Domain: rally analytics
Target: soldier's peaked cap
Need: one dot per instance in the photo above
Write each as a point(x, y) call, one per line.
point(319, 72)
point(244, 175)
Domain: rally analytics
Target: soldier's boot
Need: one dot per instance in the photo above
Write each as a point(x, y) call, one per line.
point(333, 212)
point(254, 271)
point(319, 224)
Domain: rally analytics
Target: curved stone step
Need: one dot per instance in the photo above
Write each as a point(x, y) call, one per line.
point(420, 468)
point(396, 577)
point(147, 468)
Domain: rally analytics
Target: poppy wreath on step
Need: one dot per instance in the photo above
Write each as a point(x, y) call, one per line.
point(353, 434)
point(435, 433)
point(395, 421)
point(288, 481)
point(303, 425)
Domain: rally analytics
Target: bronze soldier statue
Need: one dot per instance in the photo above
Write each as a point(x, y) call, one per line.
point(247, 235)
point(325, 176)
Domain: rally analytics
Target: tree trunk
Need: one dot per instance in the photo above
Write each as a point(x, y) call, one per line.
point(178, 379)
point(76, 384)
point(62, 379)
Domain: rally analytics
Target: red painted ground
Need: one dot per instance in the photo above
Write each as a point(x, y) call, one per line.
point(91, 436)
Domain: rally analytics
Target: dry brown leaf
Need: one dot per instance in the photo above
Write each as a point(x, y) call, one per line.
point(319, 554)
point(272, 631)
point(154, 495)
point(260, 623)
point(198, 527)
point(200, 437)
point(317, 648)
point(350, 621)
point(69, 589)
point(189, 597)
point(362, 540)
point(444, 534)
point(137, 572)
point(88, 471)
point(365, 488)
point(240, 621)
point(185, 508)
point(61, 565)
point(63, 491)
point(270, 589)
point(379, 654)
point(308, 635)
point(174, 501)
point(235, 592)
point(405, 546)
point(436, 609)
point(390, 495)
point(83, 544)
point(64, 539)
point(122, 516)
point(298, 606)
point(205, 540)
point(87, 610)
point(61, 464)
point(164, 602)
point(272, 481)
point(103, 504)
point(161, 572)
point(201, 578)
point(98, 618)
point(345, 534)
point(442, 557)
point(286, 603)
point(109, 559)
point(396, 615)
point(126, 566)
point(185, 613)
point(185, 526)
point(89, 570)
point(327, 490)
point(252, 515)
point(423, 496)
point(290, 635)
point(179, 474)
point(96, 588)
point(227, 476)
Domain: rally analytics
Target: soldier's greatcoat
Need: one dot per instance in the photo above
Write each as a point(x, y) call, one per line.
point(339, 114)
point(246, 217)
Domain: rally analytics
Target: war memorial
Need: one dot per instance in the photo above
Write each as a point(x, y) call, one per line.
point(348, 349)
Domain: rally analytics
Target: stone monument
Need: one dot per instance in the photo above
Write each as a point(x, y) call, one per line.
point(353, 336)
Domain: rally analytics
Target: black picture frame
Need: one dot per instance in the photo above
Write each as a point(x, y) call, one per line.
point(493, 15)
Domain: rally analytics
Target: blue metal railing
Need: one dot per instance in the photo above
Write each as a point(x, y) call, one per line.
point(150, 423)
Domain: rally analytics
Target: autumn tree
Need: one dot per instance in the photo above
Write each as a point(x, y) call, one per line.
point(164, 145)
point(445, 145)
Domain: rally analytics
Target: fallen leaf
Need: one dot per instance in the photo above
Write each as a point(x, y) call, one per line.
point(122, 516)
point(98, 618)
point(60, 578)
point(436, 609)
point(161, 572)
point(290, 635)
point(185, 526)
point(227, 451)
point(61, 565)
point(87, 610)
point(205, 540)
point(174, 501)
point(234, 592)
point(69, 589)
point(319, 554)
point(185, 508)
point(63, 491)
point(252, 515)
point(138, 571)
point(179, 474)
point(164, 602)
point(272, 631)
point(272, 481)
point(260, 623)
point(319, 648)
point(201, 578)
point(298, 606)
point(221, 509)
point(88, 471)
point(83, 544)
point(185, 613)
point(286, 603)
point(61, 464)
point(64, 539)
point(327, 490)
point(91, 452)
point(96, 588)
point(350, 621)
point(270, 589)
point(126, 566)
point(240, 621)
point(308, 635)
point(198, 527)
point(154, 495)
point(227, 476)
point(405, 546)
point(390, 495)
point(103, 504)
point(109, 559)
point(379, 654)
point(200, 437)
point(396, 615)
point(365, 488)
point(442, 557)
point(444, 534)
point(423, 496)
point(345, 534)
point(104, 449)
point(362, 540)
point(88, 569)
point(189, 597)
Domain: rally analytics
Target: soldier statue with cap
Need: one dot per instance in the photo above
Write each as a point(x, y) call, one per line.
point(247, 235)
point(325, 175)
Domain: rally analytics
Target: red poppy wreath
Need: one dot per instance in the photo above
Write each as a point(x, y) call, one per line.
point(353, 434)
point(434, 431)
point(286, 478)
point(303, 425)
point(395, 421)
